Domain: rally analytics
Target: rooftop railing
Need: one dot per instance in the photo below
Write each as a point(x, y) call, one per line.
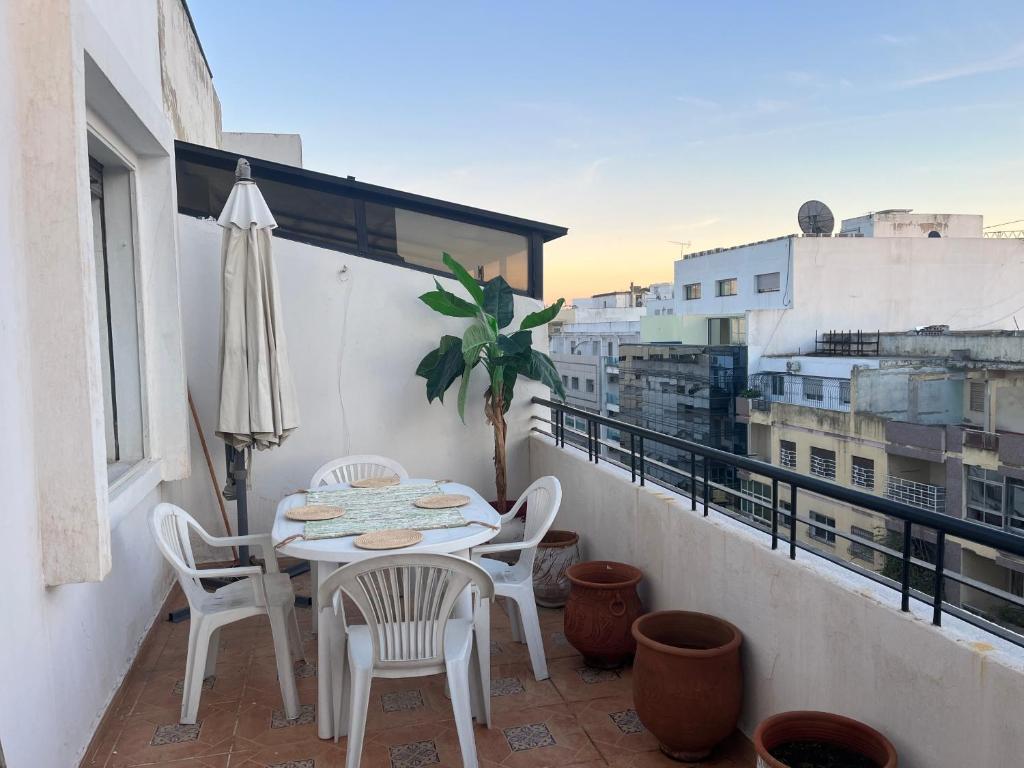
point(914, 556)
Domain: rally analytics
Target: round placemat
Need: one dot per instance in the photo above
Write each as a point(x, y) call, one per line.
point(375, 482)
point(394, 538)
point(442, 501)
point(314, 512)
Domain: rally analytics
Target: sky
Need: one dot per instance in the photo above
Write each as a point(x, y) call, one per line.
point(639, 124)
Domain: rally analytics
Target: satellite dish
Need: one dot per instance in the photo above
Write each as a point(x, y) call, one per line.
point(815, 218)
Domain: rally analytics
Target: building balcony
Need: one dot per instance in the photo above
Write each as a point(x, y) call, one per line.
point(921, 495)
point(611, 401)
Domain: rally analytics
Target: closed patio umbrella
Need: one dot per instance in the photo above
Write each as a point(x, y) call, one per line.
point(257, 399)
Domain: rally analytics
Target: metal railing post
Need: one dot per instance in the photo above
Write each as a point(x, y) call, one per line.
point(940, 562)
point(775, 513)
point(705, 494)
point(632, 457)
point(693, 481)
point(793, 492)
point(641, 461)
point(905, 571)
point(590, 448)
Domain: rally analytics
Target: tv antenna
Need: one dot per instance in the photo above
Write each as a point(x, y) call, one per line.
point(683, 245)
point(815, 218)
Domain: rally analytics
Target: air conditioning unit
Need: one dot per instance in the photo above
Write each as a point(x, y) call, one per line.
point(793, 366)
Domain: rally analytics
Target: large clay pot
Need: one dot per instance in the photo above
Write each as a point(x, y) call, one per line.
point(821, 727)
point(557, 551)
point(687, 681)
point(602, 606)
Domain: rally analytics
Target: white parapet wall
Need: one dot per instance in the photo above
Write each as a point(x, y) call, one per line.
point(816, 636)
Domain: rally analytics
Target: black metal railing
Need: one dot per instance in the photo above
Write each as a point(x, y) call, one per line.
point(847, 343)
point(813, 391)
point(912, 575)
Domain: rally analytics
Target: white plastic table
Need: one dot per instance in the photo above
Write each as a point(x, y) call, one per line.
point(328, 554)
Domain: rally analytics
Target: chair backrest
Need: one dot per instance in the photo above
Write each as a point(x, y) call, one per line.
point(170, 526)
point(349, 468)
point(542, 498)
point(406, 601)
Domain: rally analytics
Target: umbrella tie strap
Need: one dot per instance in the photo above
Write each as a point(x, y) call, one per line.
point(289, 540)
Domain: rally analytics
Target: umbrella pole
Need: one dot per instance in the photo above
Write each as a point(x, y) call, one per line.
point(237, 469)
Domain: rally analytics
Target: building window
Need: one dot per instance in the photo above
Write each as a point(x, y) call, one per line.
point(590, 385)
point(787, 454)
point(1015, 505)
point(823, 463)
point(595, 348)
point(977, 396)
point(726, 287)
point(823, 534)
point(778, 385)
point(862, 551)
point(813, 388)
point(985, 496)
point(862, 472)
point(844, 392)
point(610, 347)
point(691, 291)
point(768, 283)
point(760, 507)
point(575, 382)
point(113, 232)
point(565, 381)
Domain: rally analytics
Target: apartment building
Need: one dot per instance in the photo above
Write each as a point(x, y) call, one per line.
point(932, 418)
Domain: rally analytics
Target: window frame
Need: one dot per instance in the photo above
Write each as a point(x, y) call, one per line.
point(691, 295)
point(778, 282)
point(720, 285)
point(809, 392)
point(821, 534)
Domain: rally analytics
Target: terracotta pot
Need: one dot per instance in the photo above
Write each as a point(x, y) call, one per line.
point(557, 551)
point(823, 727)
point(602, 606)
point(687, 680)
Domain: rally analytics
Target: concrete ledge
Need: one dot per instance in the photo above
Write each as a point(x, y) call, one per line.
point(816, 636)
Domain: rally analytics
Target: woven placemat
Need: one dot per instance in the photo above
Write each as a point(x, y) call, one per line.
point(379, 509)
point(393, 538)
point(376, 482)
point(314, 512)
point(443, 501)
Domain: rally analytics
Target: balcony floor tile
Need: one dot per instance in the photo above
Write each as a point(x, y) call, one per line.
point(580, 717)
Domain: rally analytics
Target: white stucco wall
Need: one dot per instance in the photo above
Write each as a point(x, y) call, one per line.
point(743, 263)
point(356, 332)
point(278, 147)
point(815, 635)
point(189, 97)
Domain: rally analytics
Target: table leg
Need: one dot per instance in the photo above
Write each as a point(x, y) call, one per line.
point(325, 699)
point(314, 579)
point(464, 605)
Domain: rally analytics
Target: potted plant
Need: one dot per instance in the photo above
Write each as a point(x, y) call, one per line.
point(795, 739)
point(687, 680)
point(505, 357)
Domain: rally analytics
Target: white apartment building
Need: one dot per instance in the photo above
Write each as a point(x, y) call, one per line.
point(887, 270)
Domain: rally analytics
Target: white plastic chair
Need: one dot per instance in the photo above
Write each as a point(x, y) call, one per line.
point(349, 468)
point(407, 601)
point(345, 470)
point(255, 593)
point(515, 581)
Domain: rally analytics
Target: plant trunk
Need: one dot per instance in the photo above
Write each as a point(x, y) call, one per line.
point(495, 410)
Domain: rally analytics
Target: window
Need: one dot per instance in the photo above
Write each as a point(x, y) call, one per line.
point(844, 392)
point(565, 381)
point(768, 283)
point(590, 385)
point(595, 348)
point(691, 291)
point(726, 287)
point(862, 472)
point(761, 509)
point(787, 454)
point(813, 388)
point(727, 330)
point(862, 551)
point(610, 348)
point(575, 382)
point(778, 385)
point(977, 396)
point(113, 230)
point(823, 534)
point(823, 463)
point(985, 496)
point(1015, 505)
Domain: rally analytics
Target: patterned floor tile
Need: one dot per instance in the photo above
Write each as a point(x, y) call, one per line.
point(208, 683)
point(416, 754)
point(506, 686)
point(591, 676)
point(402, 701)
point(304, 670)
point(523, 737)
point(577, 682)
point(175, 733)
point(613, 725)
point(627, 721)
point(307, 715)
point(295, 764)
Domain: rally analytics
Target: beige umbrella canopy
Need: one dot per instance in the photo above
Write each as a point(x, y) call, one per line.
point(257, 399)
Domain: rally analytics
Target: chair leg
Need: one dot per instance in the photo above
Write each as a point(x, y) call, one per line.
point(482, 657)
point(282, 653)
point(530, 624)
point(513, 619)
point(458, 683)
point(358, 704)
point(314, 596)
point(211, 654)
point(295, 637)
point(339, 678)
point(199, 644)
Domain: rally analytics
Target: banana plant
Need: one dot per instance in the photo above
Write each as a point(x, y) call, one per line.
point(505, 357)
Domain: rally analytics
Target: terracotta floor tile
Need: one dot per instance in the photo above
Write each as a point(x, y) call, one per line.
point(255, 731)
point(424, 744)
point(400, 703)
point(734, 752)
point(324, 754)
point(534, 738)
point(513, 686)
point(577, 682)
point(135, 745)
point(612, 724)
point(164, 687)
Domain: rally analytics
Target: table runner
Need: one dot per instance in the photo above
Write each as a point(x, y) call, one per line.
point(378, 509)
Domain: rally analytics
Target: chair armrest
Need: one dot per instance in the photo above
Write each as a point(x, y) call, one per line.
point(225, 573)
point(261, 540)
point(511, 546)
